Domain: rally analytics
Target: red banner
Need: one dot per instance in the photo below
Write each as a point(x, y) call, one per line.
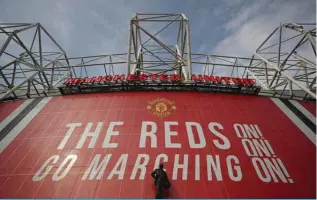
point(107, 145)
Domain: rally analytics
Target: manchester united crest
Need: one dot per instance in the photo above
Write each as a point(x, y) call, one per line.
point(161, 107)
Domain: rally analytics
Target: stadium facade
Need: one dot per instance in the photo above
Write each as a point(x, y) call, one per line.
point(97, 126)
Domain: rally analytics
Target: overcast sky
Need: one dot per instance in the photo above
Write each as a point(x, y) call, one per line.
point(230, 27)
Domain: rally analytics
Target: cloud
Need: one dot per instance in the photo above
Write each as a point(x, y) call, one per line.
point(218, 11)
point(232, 2)
point(229, 27)
point(244, 15)
point(252, 25)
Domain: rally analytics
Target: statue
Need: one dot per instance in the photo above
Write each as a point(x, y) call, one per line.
point(161, 181)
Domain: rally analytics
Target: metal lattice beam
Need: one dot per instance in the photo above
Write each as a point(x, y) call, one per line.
point(27, 68)
point(33, 64)
point(144, 44)
point(287, 65)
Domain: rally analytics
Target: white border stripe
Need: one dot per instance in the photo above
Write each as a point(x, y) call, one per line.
point(23, 123)
point(309, 133)
point(15, 113)
point(301, 108)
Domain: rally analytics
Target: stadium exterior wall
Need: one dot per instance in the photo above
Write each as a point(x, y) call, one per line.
point(105, 145)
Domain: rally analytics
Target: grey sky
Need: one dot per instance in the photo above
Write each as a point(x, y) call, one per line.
point(229, 27)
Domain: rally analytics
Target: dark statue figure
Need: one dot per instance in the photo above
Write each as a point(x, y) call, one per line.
point(161, 181)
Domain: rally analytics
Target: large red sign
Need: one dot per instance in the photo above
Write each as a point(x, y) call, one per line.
point(161, 78)
point(106, 146)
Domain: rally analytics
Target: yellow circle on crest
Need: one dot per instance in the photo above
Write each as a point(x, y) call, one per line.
point(161, 107)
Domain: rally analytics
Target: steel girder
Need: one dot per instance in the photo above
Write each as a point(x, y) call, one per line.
point(31, 70)
point(147, 45)
point(29, 61)
point(287, 66)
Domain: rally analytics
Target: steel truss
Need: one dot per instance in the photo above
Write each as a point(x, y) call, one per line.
point(31, 72)
point(148, 54)
point(29, 61)
point(287, 66)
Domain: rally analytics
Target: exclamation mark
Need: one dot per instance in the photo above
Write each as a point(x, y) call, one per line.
point(258, 130)
point(285, 171)
point(270, 148)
